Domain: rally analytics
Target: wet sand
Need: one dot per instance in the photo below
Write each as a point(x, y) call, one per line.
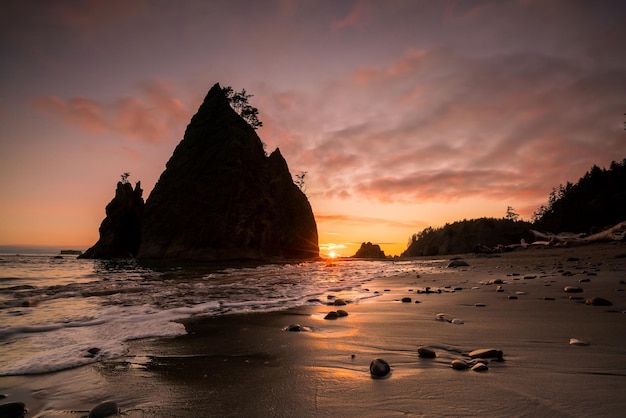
point(247, 365)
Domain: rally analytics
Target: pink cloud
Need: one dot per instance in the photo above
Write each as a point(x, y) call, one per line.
point(155, 115)
point(358, 16)
point(83, 113)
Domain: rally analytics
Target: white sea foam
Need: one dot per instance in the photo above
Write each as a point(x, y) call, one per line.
point(62, 314)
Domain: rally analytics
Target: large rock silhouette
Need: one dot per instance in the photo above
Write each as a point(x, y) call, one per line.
point(120, 231)
point(222, 198)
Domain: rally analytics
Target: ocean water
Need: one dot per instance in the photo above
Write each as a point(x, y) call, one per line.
point(60, 313)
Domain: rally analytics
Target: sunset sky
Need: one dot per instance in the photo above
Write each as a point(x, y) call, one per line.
point(403, 114)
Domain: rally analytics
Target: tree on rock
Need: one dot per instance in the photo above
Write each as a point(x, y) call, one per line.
point(239, 101)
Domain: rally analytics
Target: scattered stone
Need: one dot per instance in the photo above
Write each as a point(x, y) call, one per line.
point(406, 300)
point(460, 365)
point(479, 305)
point(584, 280)
point(457, 321)
point(458, 263)
point(576, 298)
point(105, 409)
point(529, 277)
point(379, 368)
point(339, 302)
point(572, 289)
point(294, 328)
point(495, 281)
point(480, 367)
point(548, 298)
point(417, 301)
point(512, 297)
point(567, 273)
point(13, 410)
point(499, 289)
point(575, 341)
point(573, 259)
point(487, 353)
point(596, 301)
point(426, 352)
point(342, 313)
point(520, 293)
point(332, 315)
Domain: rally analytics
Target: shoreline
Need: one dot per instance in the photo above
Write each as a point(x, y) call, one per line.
point(247, 365)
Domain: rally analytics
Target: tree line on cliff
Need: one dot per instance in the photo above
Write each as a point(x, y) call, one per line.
point(595, 202)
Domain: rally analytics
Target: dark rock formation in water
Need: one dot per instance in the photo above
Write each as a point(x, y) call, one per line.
point(222, 198)
point(120, 231)
point(369, 250)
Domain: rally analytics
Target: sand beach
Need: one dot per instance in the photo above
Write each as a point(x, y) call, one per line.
point(249, 365)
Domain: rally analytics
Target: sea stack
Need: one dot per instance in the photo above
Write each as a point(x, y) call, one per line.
point(222, 198)
point(120, 231)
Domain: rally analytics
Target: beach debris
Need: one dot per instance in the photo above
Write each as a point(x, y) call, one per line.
point(480, 367)
point(572, 289)
point(105, 409)
point(486, 353)
point(458, 263)
point(426, 352)
point(13, 410)
point(460, 365)
point(379, 368)
point(92, 352)
point(499, 289)
point(615, 233)
point(596, 301)
point(576, 341)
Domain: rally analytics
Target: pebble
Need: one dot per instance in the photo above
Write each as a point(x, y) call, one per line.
point(339, 302)
point(406, 300)
point(512, 297)
point(486, 353)
point(480, 367)
point(294, 328)
point(13, 410)
point(342, 313)
point(572, 289)
point(332, 315)
point(105, 409)
point(426, 352)
point(575, 341)
point(379, 368)
point(460, 365)
point(479, 305)
point(598, 302)
point(457, 263)
point(457, 321)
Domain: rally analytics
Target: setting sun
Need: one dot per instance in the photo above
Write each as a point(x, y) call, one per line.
point(332, 254)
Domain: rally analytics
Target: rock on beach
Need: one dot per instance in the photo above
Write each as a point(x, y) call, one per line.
point(379, 368)
point(486, 353)
point(426, 352)
point(105, 409)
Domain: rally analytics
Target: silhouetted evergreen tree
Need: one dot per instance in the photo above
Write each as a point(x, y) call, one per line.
point(598, 200)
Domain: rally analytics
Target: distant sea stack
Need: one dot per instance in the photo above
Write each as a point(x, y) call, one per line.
point(120, 231)
point(369, 250)
point(222, 198)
